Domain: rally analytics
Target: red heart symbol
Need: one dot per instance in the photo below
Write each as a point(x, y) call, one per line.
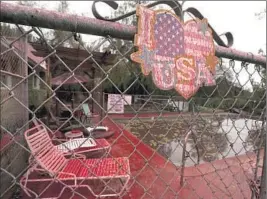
point(180, 55)
point(198, 39)
point(199, 45)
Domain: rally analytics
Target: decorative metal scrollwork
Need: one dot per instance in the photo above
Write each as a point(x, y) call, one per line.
point(174, 5)
point(232, 63)
point(177, 8)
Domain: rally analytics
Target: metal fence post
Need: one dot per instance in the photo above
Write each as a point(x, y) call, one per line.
point(263, 177)
point(142, 145)
point(264, 168)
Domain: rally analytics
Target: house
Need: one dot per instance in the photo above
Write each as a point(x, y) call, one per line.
point(78, 59)
point(15, 99)
point(15, 91)
point(33, 91)
point(36, 88)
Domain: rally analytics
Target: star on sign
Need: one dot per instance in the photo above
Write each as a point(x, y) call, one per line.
point(212, 61)
point(203, 26)
point(147, 56)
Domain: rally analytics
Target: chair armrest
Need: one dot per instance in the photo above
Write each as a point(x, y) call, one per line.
point(70, 174)
point(76, 155)
point(60, 140)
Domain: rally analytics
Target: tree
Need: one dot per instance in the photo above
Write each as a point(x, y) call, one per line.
point(263, 129)
point(261, 14)
point(58, 35)
point(28, 3)
point(127, 71)
point(12, 31)
point(259, 89)
point(262, 69)
point(9, 30)
point(123, 75)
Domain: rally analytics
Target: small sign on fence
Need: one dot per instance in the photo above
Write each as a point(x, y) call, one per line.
point(179, 55)
point(127, 99)
point(115, 103)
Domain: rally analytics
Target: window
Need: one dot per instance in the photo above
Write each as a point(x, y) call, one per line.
point(7, 80)
point(42, 75)
point(36, 82)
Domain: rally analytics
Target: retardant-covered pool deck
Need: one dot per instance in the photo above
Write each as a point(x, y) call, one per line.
point(153, 176)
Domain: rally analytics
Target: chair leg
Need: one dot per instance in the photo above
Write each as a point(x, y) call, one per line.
point(85, 120)
point(123, 189)
point(24, 186)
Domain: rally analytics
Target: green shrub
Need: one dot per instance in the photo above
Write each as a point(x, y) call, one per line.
point(36, 97)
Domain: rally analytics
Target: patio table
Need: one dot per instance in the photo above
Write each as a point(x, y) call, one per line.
point(74, 134)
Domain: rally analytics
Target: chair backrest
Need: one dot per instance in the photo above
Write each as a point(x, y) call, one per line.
point(36, 123)
point(43, 150)
point(39, 125)
point(86, 109)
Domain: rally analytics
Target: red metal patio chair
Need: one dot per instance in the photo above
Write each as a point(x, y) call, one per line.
point(78, 171)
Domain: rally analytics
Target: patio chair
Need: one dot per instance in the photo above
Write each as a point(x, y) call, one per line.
point(97, 133)
point(84, 146)
point(86, 113)
point(77, 145)
point(56, 135)
point(78, 172)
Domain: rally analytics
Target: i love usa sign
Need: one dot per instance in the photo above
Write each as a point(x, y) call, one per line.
point(180, 55)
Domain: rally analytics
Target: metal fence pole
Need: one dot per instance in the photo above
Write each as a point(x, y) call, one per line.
point(263, 177)
point(264, 167)
point(148, 135)
point(29, 16)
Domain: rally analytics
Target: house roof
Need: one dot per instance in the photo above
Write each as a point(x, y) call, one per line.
point(62, 78)
point(30, 50)
point(75, 54)
point(36, 52)
point(19, 45)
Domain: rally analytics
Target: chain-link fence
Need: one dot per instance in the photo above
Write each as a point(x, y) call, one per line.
point(150, 103)
point(104, 130)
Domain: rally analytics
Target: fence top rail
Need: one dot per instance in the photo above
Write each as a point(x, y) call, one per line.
point(29, 16)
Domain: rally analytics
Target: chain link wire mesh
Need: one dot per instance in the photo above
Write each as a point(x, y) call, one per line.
point(210, 146)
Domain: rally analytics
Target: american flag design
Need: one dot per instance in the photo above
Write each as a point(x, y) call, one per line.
point(168, 42)
point(162, 75)
point(169, 36)
point(162, 40)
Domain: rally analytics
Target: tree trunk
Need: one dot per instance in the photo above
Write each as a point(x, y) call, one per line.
point(97, 94)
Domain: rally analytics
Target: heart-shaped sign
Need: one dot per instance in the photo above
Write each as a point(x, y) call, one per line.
point(179, 55)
